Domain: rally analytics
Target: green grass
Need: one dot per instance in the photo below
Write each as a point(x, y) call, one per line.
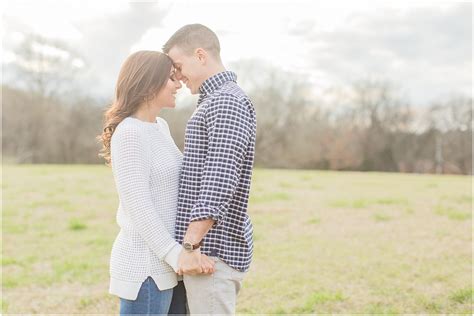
point(382, 309)
point(325, 242)
point(453, 213)
point(272, 197)
point(392, 201)
point(364, 203)
point(316, 299)
point(381, 218)
point(76, 224)
point(358, 203)
point(463, 296)
point(314, 220)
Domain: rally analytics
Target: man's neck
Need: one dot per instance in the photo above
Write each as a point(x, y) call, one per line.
point(218, 68)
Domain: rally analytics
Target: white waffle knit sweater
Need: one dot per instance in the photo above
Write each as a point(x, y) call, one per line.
point(146, 164)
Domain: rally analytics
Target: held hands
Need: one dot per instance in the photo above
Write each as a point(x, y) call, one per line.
point(194, 262)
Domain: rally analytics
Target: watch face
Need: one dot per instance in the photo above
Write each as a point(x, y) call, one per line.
point(188, 246)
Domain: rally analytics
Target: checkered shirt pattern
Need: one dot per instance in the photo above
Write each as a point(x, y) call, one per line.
point(217, 170)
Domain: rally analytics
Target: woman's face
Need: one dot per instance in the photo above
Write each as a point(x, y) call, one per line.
point(166, 97)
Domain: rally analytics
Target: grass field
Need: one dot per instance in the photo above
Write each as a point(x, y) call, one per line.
point(325, 242)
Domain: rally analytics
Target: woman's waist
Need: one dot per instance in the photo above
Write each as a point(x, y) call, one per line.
point(135, 254)
point(126, 224)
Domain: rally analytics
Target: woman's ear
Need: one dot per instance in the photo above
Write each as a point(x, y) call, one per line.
point(150, 97)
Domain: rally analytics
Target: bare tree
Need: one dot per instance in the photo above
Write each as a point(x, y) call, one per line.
point(44, 66)
point(380, 114)
point(450, 124)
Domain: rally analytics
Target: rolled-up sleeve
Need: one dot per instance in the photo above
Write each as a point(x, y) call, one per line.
point(228, 125)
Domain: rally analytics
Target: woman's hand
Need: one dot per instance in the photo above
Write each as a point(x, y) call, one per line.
point(195, 263)
point(190, 262)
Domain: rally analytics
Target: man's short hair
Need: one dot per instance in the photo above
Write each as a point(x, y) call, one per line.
point(193, 36)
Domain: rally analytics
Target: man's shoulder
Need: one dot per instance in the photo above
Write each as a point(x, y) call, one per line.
point(230, 91)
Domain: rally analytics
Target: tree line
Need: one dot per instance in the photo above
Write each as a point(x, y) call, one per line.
point(368, 126)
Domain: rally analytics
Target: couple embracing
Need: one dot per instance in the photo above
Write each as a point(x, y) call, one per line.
point(185, 240)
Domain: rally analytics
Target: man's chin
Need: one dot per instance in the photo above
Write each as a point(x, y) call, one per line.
point(191, 89)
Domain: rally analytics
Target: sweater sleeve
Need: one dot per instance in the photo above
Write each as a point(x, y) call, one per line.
point(131, 165)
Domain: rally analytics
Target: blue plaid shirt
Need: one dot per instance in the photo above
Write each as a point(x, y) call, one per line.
point(215, 179)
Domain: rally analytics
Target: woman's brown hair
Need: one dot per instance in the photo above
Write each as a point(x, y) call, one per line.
point(142, 75)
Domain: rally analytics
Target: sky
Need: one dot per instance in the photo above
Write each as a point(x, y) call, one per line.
point(423, 47)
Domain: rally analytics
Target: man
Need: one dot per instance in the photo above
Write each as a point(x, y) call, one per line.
point(216, 174)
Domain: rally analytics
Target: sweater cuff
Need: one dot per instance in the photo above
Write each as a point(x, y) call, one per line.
point(172, 256)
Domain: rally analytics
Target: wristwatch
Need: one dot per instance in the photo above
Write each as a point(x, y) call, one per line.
point(190, 247)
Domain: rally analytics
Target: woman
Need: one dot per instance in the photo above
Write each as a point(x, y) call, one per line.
point(146, 165)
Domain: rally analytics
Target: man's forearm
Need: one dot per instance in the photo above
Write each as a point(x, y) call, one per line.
point(197, 230)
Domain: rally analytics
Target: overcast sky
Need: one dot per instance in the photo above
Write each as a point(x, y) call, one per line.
point(424, 47)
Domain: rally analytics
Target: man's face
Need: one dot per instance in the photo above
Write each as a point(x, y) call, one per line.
point(189, 69)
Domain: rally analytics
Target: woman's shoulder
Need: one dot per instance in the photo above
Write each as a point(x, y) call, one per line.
point(163, 124)
point(129, 129)
point(128, 124)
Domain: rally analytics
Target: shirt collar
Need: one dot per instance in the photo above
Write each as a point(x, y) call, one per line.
point(216, 81)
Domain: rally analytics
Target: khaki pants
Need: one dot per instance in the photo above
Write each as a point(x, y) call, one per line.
point(216, 293)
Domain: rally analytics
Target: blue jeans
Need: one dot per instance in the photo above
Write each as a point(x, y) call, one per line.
point(150, 300)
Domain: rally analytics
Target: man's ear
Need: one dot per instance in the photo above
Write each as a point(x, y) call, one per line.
point(201, 54)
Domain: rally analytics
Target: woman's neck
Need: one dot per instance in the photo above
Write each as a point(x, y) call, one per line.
point(145, 114)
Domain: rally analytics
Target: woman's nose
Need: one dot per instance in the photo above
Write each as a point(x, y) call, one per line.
point(178, 84)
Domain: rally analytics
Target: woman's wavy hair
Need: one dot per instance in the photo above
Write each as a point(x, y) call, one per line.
point(141, 77)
